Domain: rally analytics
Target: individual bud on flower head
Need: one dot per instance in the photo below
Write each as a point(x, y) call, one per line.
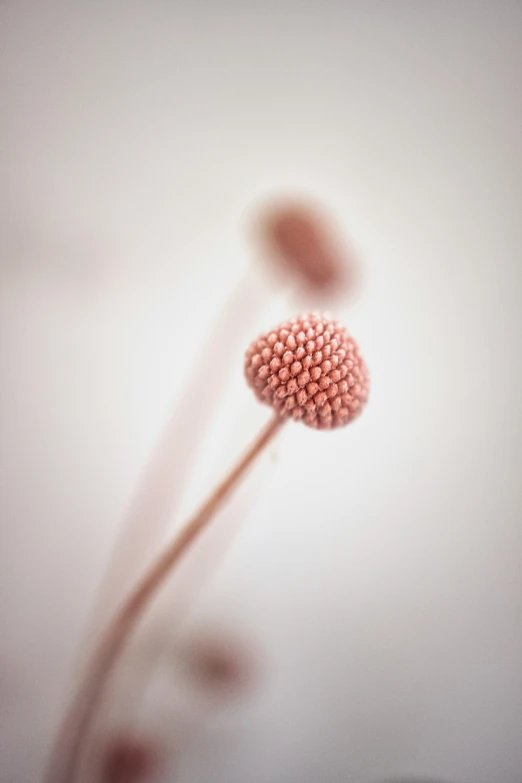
point(302, 243)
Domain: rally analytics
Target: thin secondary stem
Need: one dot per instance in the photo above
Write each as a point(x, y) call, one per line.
point(67, 753)
point(161, 486)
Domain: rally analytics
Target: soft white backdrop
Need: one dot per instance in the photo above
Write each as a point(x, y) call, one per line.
point(380, 565)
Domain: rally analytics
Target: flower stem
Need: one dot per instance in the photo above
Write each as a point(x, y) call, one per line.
point(68, 749)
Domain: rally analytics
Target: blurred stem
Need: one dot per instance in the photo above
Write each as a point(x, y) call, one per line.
point(68, 748)
point(164, 478)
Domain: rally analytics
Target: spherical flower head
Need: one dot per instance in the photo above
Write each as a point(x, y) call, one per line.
point(309, 369)
point(304, 245)
point(223, 666)
point(130, 759)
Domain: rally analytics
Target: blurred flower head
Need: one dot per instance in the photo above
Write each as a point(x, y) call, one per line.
point(220, 665)
point(301, 243)
point(130, 758)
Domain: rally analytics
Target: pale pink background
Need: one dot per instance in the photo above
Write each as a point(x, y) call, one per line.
point(380, 565)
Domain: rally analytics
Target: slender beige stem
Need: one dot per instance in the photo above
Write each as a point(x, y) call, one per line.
point(68, 750)
point(160, 488)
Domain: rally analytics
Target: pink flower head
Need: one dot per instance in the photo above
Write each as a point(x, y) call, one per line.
point(309, 368)
point(221, 665)
point(129, 759)
point(304, 245)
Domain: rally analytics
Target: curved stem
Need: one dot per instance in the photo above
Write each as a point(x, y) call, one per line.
point(161, 485)
point(67, 752)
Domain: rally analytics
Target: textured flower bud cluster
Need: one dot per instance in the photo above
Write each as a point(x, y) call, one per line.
point(309, 368)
